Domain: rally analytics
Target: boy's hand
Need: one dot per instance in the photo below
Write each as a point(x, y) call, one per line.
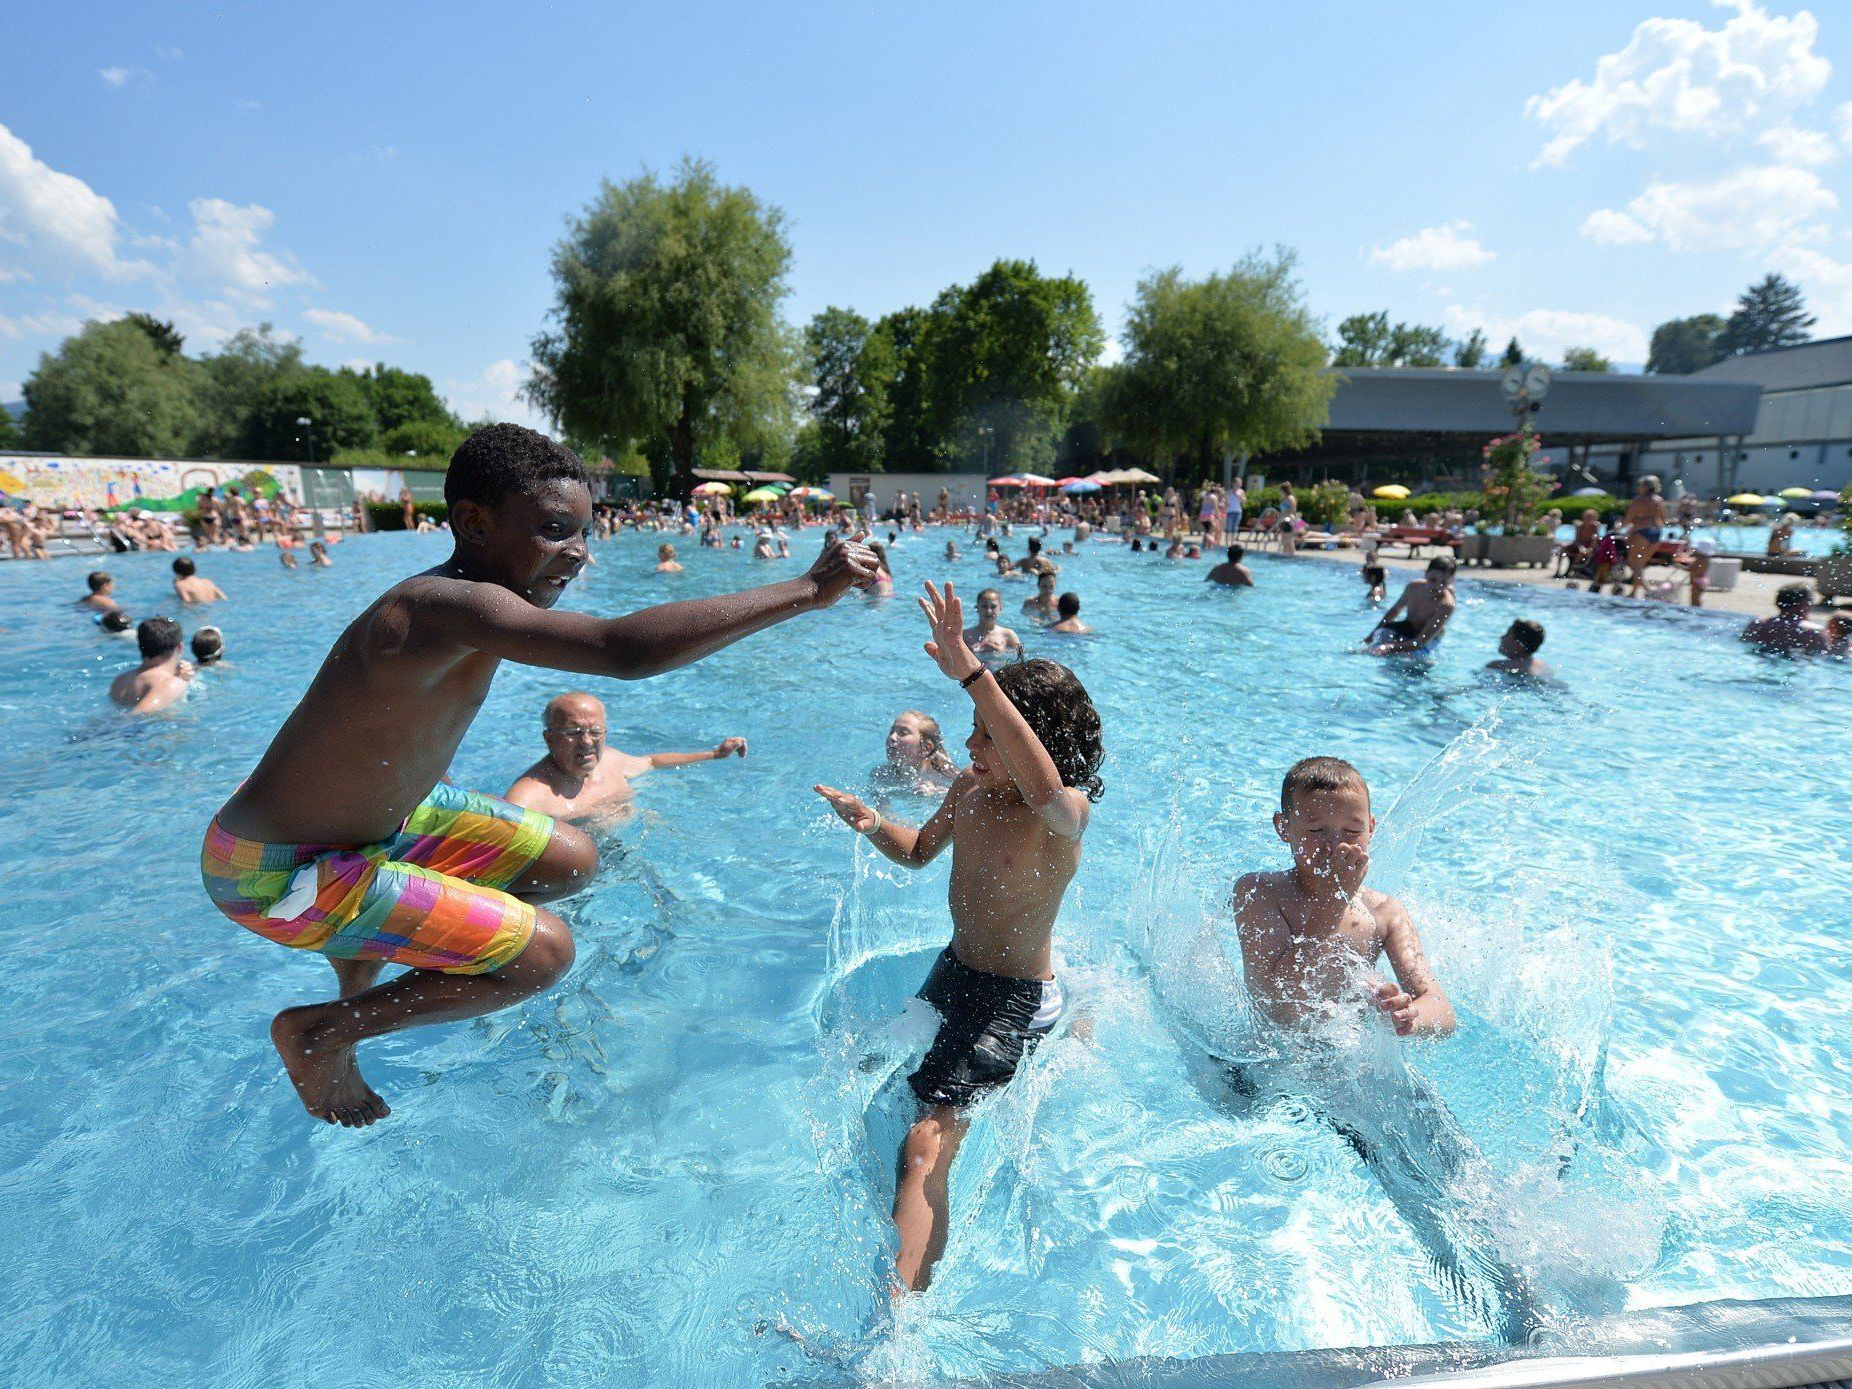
point(844, 564)
point(854, 813)
point(1399, 1006)
point(729, 746)
point(946, 616)
point(1344, 866)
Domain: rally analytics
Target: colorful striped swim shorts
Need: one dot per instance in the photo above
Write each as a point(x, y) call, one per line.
point(431, 897)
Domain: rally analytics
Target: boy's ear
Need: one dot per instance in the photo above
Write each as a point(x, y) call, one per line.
point(470, 521)
point(1279, 823)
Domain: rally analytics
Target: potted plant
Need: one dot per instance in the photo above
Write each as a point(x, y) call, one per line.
point(1513, 487)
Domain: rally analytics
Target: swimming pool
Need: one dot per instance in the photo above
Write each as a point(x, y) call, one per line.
point(661, 1173)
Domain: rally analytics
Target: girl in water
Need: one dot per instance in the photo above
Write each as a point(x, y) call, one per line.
point(883, 585)
point(916, 758)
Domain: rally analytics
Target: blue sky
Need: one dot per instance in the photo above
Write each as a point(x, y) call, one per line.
point(386, 181)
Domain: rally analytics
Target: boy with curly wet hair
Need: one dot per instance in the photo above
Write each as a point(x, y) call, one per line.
point(1014, 819)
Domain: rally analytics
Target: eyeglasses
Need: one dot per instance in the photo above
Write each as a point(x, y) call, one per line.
point(581, 735)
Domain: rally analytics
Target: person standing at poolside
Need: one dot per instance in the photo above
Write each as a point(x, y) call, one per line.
point(208, 508)
point(408, 509)
point(1014, 820)
point(1646, 522)
point(581, 773)
point(346, 840)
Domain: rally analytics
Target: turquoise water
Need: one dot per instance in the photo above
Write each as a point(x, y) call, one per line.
point(676, 1165)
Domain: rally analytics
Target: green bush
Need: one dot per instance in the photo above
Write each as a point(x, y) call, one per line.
point(390, 516)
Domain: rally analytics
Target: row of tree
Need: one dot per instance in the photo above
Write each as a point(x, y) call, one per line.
point(1769, 314)
point(128, 388)
point(1371, 340)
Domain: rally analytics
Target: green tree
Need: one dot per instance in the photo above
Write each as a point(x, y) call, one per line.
point(404, 397)
point(1683, 345)
point(232, 382)
point(113, 388)
point(667, 330)
point(1003, 357)
point(850, 366)
point(1371, 340)
point(1232, 363)
point(1514, 355)
point(1470, 353)
point(434, 440)
point(161, 333)
point(1770, 313)
point(1585, 359)
point(9, 432)
point(336, 404)
point(912, 443)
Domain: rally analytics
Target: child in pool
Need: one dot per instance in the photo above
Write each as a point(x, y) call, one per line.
point(883, 585)
point(1014, 820)
point(916, 757)
point(1376, 581)
point(1067, 609)
point(318, 555)
point(1517, 651)
point(1420, 616)
point(162, 676)
point(1311, 936)
point(988, 637)
point(347, 841)
point(1043, 605)
point(102, 595)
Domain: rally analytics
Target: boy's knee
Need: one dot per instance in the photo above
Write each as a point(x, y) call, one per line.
point(551, 950)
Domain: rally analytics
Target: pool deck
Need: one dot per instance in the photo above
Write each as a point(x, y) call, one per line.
point(1753, 596)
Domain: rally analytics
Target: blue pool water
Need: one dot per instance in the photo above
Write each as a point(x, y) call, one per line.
point(673, 1169)
point(1815, 542)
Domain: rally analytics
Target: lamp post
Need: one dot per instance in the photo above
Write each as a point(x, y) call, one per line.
point(986, 433)
point(303, 422)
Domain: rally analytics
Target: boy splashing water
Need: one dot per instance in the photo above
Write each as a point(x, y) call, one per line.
point(1014, 820)
point(346, 841)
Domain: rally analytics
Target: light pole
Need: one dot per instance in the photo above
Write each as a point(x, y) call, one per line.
point(312, 492)
point(985, 432)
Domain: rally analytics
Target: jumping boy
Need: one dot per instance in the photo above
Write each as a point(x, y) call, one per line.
point(1014, 819)
point(345, 840)
point(1311, 936)
point(1420, 616)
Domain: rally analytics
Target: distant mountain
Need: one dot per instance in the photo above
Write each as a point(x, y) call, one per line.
point(15, 408)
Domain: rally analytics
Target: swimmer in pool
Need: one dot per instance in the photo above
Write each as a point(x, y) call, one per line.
point(1014, 820)
point(581, 774)
point(951, 550)
point(988, 637)
point(102, 595)
point(318, 555)
point(162, 676)
point(1420, 616)
point(1042, 605)
point(1067, 609)
point(1376, 582)
point(208, 647)
point(1788, 631)
point(1232, 573)
point(666, 563)
point(1311, 935)
point(190, 586)
point(345, 840)
point(1517, 652)
point(916, 757)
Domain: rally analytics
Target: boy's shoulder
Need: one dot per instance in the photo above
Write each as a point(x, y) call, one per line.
point(1387, 910)
point(1258, 886)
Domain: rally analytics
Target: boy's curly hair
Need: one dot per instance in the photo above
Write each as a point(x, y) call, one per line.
point(502, 458)
point(1058, 710)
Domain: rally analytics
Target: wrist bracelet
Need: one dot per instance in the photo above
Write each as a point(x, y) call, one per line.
point(875, 828)
point(973, 678)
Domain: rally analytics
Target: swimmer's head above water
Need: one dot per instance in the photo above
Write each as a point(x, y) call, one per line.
point(575, 732)
point(915, 742)
point(1324, 814)
point(157, 637)
point(520, 509)
point(1060, 713)
point(208, 645)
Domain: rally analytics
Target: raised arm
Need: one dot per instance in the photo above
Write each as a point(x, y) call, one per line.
point(1064, 809)
point(1420, 1007)
point(914, 848)
point(641, 644)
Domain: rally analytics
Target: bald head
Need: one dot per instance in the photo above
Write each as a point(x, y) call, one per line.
point(575, 706)
point(575, 732)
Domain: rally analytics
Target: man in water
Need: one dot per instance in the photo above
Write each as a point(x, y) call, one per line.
point(190, 586)
point(581, 773)
point(1420, 616)
point(1517, 652)
point(1231, 573)
point(161, 677)
point(989, 637)
point(102, 595)
point(1070, 625)
point(347, 841)
point(1788, 630)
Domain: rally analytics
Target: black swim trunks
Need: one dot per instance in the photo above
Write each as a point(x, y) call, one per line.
point(1401, 627)
point(988, 1024)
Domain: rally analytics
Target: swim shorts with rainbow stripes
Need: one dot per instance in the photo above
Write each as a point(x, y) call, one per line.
point(431, 897)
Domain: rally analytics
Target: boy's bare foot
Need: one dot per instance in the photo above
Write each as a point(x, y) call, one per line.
point(325, 1075)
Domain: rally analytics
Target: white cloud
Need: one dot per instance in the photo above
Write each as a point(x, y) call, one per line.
point(1545, 333)
point(344, 327)
point(1826, 282)
point(1792, 145)
point(58, 217)
point(1446, 247)
point(52, 323)
point(1842, 115)
point(1748, 210)
point(225, 253)
point(121, 76)
point(1676, 76)
point(493, 393)
point(168, 53)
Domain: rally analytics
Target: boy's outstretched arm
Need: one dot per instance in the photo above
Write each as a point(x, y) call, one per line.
point(1064, 809)
point(1419, 1007)
point(641, 644)
point(915, 848)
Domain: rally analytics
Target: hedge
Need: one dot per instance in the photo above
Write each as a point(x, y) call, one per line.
point(390, 516)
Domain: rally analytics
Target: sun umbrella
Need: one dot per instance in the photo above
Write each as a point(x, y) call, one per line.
point(712, 489)
point(1394, 492)
point(1140, 475)
point(1796, 492)
point(813, 494)
point(1011, 481)
point(1824, 496)
point(1035, 480)
point(762, 494)
point(1590, 492)
point(1079, 485)
point(1747, 499)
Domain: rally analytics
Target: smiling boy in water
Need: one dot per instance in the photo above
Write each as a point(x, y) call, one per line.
point(1014, 819)
point(347, 841)
point(1311, 936)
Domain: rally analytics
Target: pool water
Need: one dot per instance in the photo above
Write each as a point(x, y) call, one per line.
point(1813, 542)
point(674, 1168)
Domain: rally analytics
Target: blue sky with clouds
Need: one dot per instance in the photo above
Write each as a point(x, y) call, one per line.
point(386, 181)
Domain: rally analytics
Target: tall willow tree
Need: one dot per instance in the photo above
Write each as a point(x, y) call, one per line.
point(667, 331)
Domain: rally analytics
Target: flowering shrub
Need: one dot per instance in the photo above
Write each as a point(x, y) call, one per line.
point(1513, 486)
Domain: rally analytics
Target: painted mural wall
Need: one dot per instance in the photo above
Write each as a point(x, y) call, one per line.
point(159, 484)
